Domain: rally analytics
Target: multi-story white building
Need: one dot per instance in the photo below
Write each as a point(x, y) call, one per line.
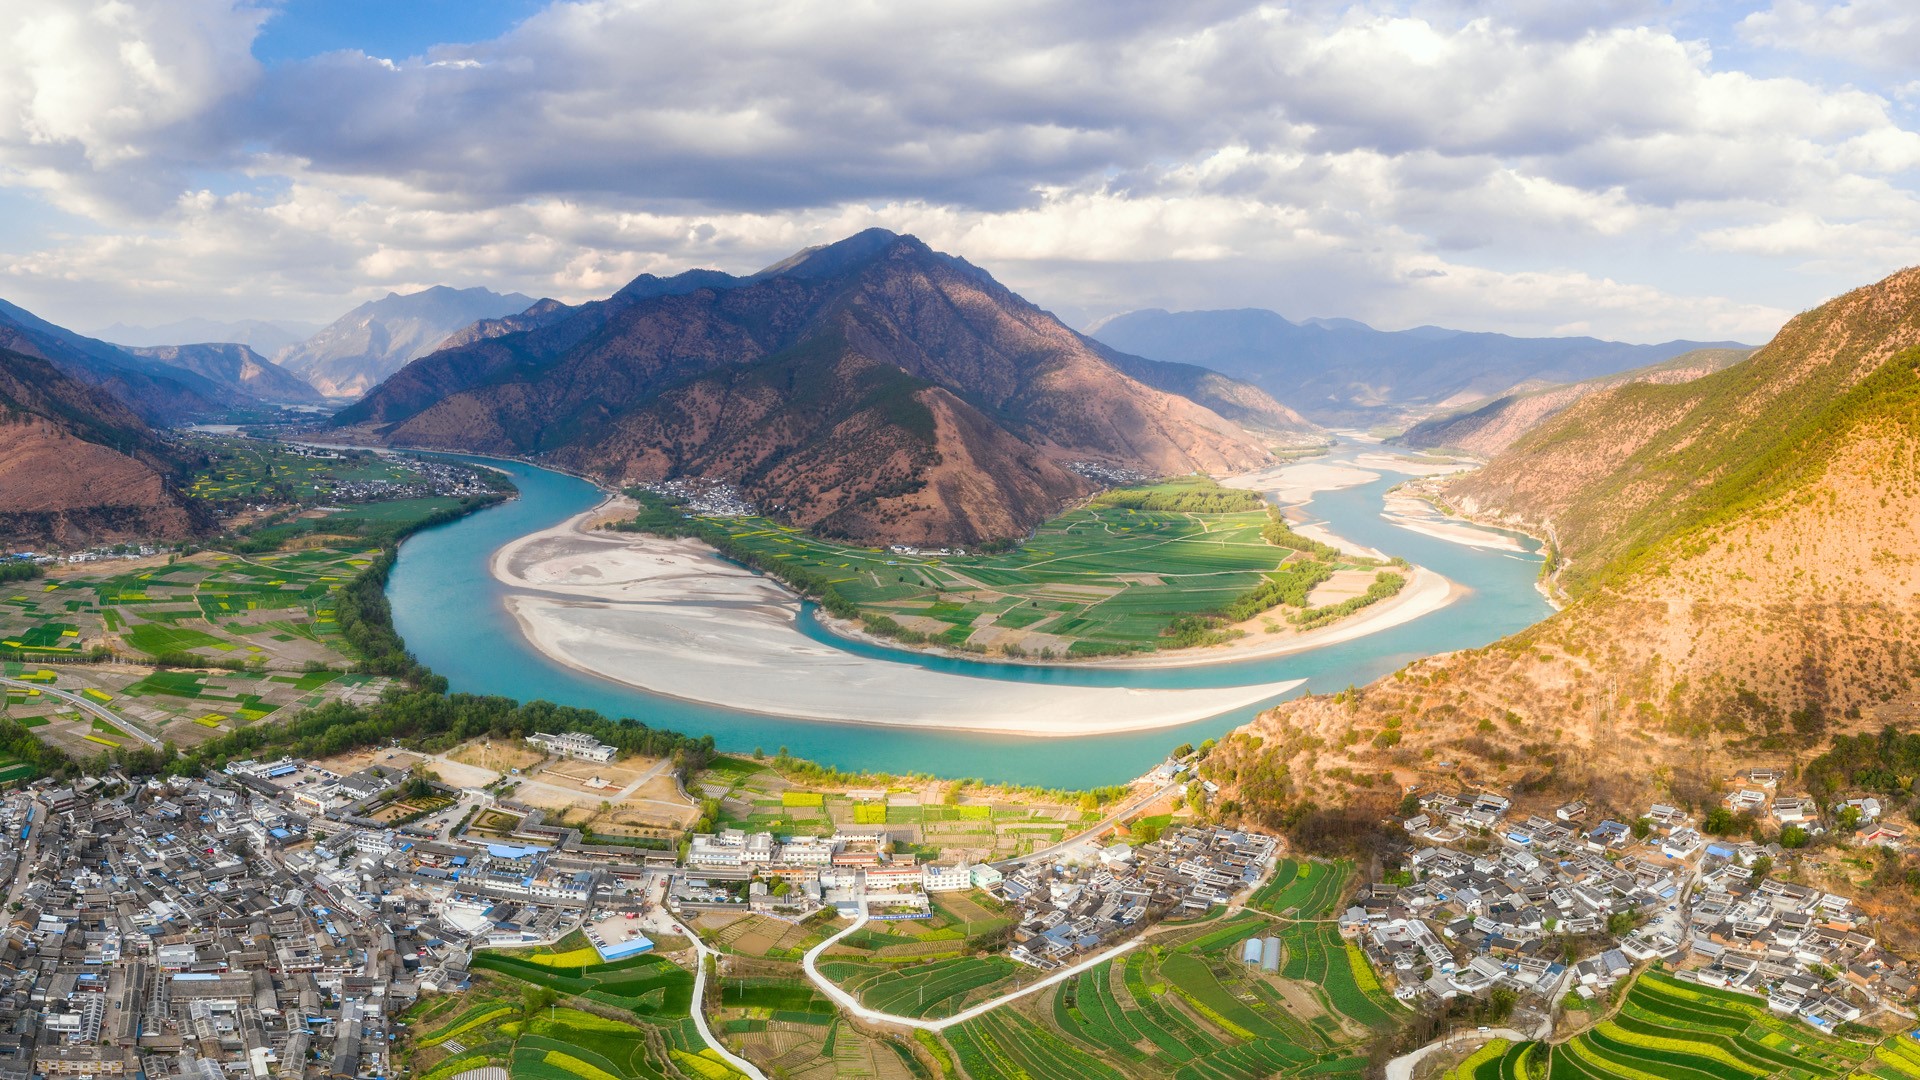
point(937, 878)
point(572, 744)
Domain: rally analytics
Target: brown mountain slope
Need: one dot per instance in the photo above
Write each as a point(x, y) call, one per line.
point(1486, 429)
point(1748, 580)
point(76, 465)
point(842, 389)
point(236, 367)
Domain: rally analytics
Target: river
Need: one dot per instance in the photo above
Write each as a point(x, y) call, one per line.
point(452, 614)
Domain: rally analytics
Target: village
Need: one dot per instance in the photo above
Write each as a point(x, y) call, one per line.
point(278, 916)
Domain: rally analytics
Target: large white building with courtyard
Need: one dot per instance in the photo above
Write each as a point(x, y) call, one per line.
point(572, 744)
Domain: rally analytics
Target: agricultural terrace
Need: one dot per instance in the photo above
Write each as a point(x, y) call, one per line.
point(1132, 570)
point(184, 707)
point(1304, 889)
point(1187, 1007)
point(550, 1018)
point(984, 825)
point(1667, 1029)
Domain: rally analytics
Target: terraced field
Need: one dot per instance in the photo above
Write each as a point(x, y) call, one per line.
point(935, 989)
point(1304, 889)
point(1186, 1008)
point(627, 1019)
point(1672, 1030)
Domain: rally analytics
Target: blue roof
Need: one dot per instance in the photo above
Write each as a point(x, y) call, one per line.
point(513, 851)
point(191, 977)
point(279, 834)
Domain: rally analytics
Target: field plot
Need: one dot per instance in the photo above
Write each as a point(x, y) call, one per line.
point(1114, 576)
point(1304, 889)
point(930, 989)
point(986, 827)
point(272, 611)
point(1185, 1007)
point(626, 1025)
point(1678, 1030)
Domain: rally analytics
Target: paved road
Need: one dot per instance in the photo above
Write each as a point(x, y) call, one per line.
point(1401, 1068)
point(30, 856)
point(699, 1006)
point(852, 1004)
point(90, 706)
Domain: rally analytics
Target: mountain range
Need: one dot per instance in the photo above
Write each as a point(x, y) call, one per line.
point(1340, 372)
point(1740, 570)
point(77, 465)
point(355, 352)
point(872, 389)
point(236, 366)
point(263, 337)
point(1486, 429)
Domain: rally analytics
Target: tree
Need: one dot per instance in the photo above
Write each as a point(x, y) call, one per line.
point(535, 998)
point(1849, 818)
point(1642, 828)
point(1793, 836)
point(1761, 867)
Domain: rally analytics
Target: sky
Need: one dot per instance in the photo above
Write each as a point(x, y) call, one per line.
point(1632, 169)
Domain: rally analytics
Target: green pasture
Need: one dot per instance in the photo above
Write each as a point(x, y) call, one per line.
point(1110, 576)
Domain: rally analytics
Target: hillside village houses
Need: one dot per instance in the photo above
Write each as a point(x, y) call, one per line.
point(1492, 902)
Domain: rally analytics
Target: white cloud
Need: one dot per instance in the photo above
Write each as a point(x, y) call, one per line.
point(1384, 161)
point(1879, 34)
point(93, 89)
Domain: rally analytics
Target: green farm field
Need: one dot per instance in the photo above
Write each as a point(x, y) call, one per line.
point(1184, 1007)
point(1685, 1031)
point(1114, 576)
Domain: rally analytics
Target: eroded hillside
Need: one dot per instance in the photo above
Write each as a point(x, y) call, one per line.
point(1744, 574)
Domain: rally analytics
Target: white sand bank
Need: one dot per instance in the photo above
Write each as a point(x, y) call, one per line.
point(1424, 593)
point(1417, 515)
point(1297, 482)
point(667, 617)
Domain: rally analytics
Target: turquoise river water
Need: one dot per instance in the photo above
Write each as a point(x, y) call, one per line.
point(452, 614)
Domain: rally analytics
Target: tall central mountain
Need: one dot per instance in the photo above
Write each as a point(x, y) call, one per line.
point(872, 389)
point(1338, 371)
point(379, 337)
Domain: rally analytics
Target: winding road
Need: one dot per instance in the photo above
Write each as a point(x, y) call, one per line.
point(700, 1009)
point(93, 707)
point(852, 1004)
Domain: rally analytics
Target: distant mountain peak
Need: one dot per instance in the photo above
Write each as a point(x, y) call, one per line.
point(366, 345)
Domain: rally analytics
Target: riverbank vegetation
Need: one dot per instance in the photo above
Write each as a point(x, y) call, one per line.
point(1160, 566)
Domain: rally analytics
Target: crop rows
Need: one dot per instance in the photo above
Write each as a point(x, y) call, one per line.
point(1669, 1030)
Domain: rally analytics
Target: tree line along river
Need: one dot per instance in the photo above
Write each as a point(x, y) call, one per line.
point(452, 614)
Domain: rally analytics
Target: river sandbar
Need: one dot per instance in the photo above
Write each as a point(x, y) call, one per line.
point(669, 617)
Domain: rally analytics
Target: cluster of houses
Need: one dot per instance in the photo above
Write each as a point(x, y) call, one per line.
point(704, 498)
point(1068, 909)
point(797, 875)
point(155, 931)
point(1496, 901)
